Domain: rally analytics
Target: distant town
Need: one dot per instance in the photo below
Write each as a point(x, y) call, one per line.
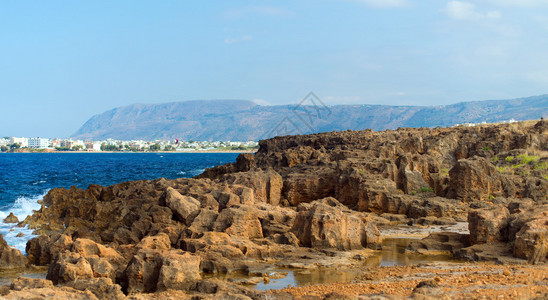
point(37, 144)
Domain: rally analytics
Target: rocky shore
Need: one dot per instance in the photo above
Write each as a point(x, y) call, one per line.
point(302, 203)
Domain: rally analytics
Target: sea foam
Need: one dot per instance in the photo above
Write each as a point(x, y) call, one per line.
point(21, 208)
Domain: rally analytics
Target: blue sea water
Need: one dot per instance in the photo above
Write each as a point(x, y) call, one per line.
point(26, 177)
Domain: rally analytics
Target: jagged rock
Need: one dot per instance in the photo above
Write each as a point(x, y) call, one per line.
point(102, 288)
point(240, 221)
point(303, 188)
point(150, 270)
point(157, 242)
point(439, 242)
point(25, 283)
point(102, 268)
point(474, 179)
point(204, 221)
point(51, 293)
point(432, 207)
point(266, 185)
point(141, 274)
point(260, 209)
point(275, 219)
point(327, 223)
point(69, 266)
point(498, 252)
point(179, 271)
point(488, 225)
point(11, 218)
point(87, 248)
point(38, 251)
point(531, 241)
point(182, 206)
point(10, 258)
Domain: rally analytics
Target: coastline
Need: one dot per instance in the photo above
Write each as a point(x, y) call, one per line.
point(162, 152)
point(238, 227)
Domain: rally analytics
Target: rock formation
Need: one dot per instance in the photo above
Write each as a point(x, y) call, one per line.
point(10, 258)
point(300, 198)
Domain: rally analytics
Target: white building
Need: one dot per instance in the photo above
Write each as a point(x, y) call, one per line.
point(23, 141)
point(39, 143)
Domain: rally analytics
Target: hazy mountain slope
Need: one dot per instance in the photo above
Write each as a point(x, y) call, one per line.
point(240, 120)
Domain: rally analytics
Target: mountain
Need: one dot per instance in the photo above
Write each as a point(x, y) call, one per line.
point(241, 120)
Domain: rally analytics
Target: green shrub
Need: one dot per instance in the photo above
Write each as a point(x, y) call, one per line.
point(509, 158)
point(494, 158)
point(425, 189)
point(526, 159)
point(542, 166)
point(486, 148)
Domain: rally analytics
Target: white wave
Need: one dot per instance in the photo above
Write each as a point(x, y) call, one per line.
point(197, 171)
point(21, 208)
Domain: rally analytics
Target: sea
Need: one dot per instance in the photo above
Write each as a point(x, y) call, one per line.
point(25, 178)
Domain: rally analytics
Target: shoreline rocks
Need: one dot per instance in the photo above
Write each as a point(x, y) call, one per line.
point(303, 202)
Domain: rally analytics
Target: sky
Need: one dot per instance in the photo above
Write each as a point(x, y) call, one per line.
point(61, 62)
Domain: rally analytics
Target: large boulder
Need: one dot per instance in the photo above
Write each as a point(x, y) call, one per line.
point(179, 271)
point(474, 179)
point(182, 206)
point(152, 270)
point(326, 223)
point(10, 257)
point(239, 221)
point(439, 243)
point(531, 241)
point(156, 242)
point(303, 188)
point(69, 266)
point(488, 225)
point(266, 185)
point(85, 260)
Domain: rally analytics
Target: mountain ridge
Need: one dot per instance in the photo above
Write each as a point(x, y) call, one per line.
point(240, 120)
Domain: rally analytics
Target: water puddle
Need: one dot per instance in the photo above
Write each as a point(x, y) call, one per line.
point(392, 254)
point(6, 277)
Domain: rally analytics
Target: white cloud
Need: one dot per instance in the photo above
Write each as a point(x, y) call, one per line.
point(243, 38)
point(383, 3)
point(460, 10)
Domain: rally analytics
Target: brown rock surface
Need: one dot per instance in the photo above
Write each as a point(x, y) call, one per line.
point(488, 225)
point(182, 206)
point(532, 241)
point(474, 179)
point(11, 218)
point(326, 223)
point(321, 191)
point(10, 258)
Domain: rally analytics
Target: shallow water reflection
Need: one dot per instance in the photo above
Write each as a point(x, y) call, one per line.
point(392, 254)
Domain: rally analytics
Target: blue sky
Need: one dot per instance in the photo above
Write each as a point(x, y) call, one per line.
point(63, 61)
